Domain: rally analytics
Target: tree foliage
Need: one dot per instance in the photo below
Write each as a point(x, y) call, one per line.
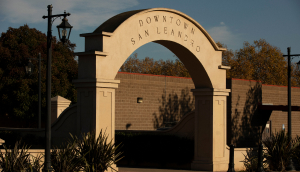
point(19, 91)
point(259, 61)
point(150, 66)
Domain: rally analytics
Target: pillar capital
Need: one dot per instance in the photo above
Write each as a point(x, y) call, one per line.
point(211, 92)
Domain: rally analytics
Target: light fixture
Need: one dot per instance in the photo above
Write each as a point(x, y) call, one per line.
point(140, 100)
point(64, 29)
point(29, 68)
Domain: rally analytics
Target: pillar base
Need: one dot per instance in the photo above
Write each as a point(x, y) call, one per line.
point(216, 166)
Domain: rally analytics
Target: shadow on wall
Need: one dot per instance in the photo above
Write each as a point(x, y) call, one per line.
point(245, 123)
point(173, 108)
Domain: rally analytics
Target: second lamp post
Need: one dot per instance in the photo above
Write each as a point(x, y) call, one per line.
point(29, 69)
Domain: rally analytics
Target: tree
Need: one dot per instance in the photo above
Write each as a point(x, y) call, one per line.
point(18, 91)
point(149, 66)
point(259, 61)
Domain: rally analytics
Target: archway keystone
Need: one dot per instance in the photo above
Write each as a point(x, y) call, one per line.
point(107, 48)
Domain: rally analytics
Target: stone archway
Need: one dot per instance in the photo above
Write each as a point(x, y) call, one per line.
point(107, 48)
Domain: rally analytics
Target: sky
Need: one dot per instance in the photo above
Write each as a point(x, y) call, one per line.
point(230, 22)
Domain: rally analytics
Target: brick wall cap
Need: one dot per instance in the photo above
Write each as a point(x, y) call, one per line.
point(269, 85)
point(154, 75)
point(277, 107)
point(98, 80)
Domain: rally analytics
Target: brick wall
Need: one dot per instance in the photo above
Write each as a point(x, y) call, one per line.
point(242, 106)
point(278, 96)
point(246, 121)
point(155, 108)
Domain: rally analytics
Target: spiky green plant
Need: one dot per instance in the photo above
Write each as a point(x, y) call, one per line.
point(278, 151)
point(100, 153)
point(251, 161)
point(37, 163)
point(16, 159)
point(67, 158)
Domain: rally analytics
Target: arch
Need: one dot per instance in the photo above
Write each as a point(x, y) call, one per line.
point(107, 48)
point(133, 29)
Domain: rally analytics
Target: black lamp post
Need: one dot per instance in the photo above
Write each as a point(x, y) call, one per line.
point(65, 26)
point(291, 166)
point(29, 69)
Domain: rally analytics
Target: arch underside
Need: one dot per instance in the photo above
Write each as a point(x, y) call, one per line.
point(190, 61)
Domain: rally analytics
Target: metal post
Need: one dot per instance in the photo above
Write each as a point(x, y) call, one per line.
point(291, 165)
point(260, 167)
point(289, 95)
point(231, 159)
point(47, 166)
point(40, 99)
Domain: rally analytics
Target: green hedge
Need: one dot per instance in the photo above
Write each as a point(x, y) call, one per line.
point(11, 137)
point(141, 148)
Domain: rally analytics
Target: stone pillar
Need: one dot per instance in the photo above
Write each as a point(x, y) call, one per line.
point(96, 106)
point(95, 95)
point(58, 105)
point(210, 130)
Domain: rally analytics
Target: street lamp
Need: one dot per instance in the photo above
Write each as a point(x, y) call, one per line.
point(29, 69)
point(291, 166)
point(64, 26)
point(65, 29)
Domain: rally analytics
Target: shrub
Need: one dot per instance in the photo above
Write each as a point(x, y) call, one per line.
point(37, 163)
point(99, 153)
point(16, 159)
point(278, 152)
point(11, 137)
point(155, 148)
point(251, 161)
point(67, 158)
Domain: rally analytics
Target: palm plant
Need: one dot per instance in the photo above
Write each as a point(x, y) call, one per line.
point(279, 150)
point(100, 154)
point(251, 161)
point(297, 154)
point(16, 159)
point(37, 163)
point(67, 159)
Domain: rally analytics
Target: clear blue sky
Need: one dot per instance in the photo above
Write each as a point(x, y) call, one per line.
point(231, 22)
